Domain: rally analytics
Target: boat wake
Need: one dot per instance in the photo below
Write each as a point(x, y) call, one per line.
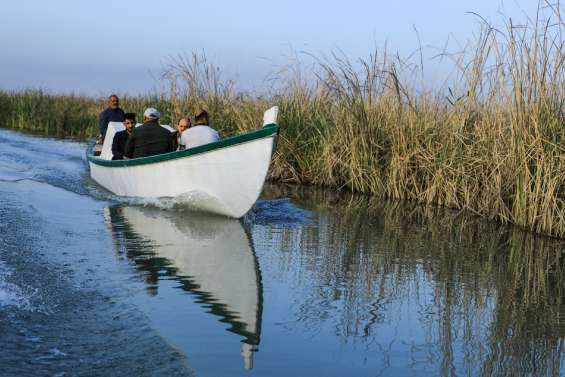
point(190, 201)
point(278, 211)
point(59, 163)
point(11, 294)
point(16, 297)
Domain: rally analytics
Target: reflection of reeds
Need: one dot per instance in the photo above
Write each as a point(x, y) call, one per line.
point(490, 142)
point(496, 304)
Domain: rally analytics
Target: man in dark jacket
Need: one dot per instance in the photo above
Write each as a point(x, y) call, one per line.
point(112, 113)
point(150, 138)
point(120, 138)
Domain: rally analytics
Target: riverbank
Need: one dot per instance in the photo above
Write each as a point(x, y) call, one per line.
point(491, 142)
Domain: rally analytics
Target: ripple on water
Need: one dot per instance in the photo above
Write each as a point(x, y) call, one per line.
point(11, 295)
point(57, 318)
point(278, 211)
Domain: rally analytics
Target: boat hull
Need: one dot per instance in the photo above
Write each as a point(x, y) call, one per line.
point(226, 180)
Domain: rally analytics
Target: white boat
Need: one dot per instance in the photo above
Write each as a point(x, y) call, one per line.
point(224, 177)
point(211, 256)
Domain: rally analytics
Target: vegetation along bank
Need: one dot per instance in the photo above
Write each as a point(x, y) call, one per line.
point(491, 140)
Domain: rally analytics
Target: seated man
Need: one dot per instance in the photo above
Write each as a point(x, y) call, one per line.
point(150, 138)
point(120, 139)
point(201, 133)
point(112, 113)
point(183, 124)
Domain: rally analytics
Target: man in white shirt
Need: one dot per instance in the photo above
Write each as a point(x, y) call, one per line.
point(200, 133)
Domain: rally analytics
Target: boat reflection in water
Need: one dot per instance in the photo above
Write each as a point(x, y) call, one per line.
point(212, 257)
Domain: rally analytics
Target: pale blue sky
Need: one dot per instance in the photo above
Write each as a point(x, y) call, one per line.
point(97, 47)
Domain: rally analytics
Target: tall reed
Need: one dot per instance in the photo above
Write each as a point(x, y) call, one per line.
point(70, 116)
point(491, 141)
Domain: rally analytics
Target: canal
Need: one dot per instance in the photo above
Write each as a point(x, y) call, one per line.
point(309, 283)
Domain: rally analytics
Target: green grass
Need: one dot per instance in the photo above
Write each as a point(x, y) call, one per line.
point(491, 143)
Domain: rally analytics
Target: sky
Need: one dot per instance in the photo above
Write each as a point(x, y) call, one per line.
point(97, 47)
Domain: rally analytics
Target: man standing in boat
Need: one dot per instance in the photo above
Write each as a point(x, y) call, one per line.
point(120, 138)
point(150, 138)
point(201, 133)
point(113, 113)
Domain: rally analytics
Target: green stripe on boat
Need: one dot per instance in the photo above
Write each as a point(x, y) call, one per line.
point(267, 130)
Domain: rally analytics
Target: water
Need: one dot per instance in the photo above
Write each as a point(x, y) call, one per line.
point(310, 283)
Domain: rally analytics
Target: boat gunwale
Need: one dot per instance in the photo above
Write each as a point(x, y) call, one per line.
point(265, 131)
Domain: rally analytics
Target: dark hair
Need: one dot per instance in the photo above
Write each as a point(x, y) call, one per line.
point(130, 116)
point(187, 119)
point(201, 118)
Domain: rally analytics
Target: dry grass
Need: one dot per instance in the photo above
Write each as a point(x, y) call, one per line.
point(491, 142)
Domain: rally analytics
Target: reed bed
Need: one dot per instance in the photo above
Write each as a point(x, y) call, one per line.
point(490, 141)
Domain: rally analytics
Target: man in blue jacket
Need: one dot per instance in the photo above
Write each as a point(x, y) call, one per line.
point(113, 113)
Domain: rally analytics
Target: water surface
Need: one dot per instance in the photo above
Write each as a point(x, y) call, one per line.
point(309, 283)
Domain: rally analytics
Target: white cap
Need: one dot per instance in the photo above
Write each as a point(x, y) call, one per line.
point(151, 113)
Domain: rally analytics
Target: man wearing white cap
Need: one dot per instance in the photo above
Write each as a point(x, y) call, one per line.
point(150, 138)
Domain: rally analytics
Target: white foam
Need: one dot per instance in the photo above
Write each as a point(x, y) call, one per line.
point(10, 294)
point(56, 352)
point(191, 201)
